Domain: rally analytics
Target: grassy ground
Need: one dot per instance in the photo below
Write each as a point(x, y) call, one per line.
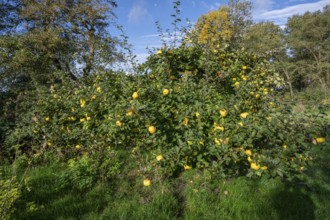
point(191, 196)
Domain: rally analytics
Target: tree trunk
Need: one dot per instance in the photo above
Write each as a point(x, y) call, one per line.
point(90, 59)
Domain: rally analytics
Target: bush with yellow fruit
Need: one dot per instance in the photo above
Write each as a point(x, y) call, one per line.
point(210, 114)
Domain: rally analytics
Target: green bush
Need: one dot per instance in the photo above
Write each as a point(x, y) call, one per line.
point(83, 172)
point(187, 107)
point(9, 193)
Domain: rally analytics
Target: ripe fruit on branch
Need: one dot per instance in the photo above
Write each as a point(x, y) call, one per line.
point(152, 129)
point(135, 95)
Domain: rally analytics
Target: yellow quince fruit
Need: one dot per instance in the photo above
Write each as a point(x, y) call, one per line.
point(223, 112)
point(244, 114)
point(152, 129)
point(320, 140)
point(248, 152)
point(135, 95)
point(166, 92)
point(146, 182)
point(237, 84)
point(254, 166)
point(130, 113)
point(159, 158)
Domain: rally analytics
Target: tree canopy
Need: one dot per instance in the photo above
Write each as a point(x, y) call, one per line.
point(308, 38)
point(225, 25)
point(71, 37)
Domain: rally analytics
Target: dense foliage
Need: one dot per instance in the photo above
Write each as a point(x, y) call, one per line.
point(224, 120)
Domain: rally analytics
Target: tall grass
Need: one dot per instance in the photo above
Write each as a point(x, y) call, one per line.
point(193, 195)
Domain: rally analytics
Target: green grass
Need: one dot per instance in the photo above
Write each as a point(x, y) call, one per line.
point(246, 199)
point(190, 196)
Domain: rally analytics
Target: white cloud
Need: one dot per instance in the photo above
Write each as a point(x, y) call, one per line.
point(261, 6)
point(210, 7)
point(168, 37)
point(280, 16)
point(150, 36)
point(296, 9)
point(139, 13)
point(296, 1)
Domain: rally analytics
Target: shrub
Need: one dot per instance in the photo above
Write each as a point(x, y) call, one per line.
point(224, 119)
point(9, 193)
point(187, 107)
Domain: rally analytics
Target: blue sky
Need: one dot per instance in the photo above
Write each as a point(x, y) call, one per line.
point(138, 17)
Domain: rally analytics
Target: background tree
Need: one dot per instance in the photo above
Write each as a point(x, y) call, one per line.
point(70, 37)
point(268, 40)
point(240, 17)
point(53, 38)
point(265, 39)
point(73, 34)
point(224, 26)
point(308, 43)
point(214, 28)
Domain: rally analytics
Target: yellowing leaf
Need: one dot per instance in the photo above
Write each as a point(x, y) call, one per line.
point(185, 121)
point(187, 167)
point(218, 127)
point(82, 103)
point(223, 112)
